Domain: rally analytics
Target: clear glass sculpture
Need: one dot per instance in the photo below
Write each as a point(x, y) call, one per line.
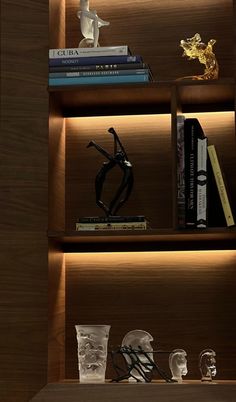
point(178, 364)
point(89, 25)
point(92, 352)
point(194, 48)
point(207, 364)
point(138, 340)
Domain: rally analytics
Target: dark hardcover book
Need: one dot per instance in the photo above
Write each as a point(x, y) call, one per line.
point(180, 172)
point(76, 61)
point(97, 67)
point(195, 149)
point(112, 219)
point(190, 157)
point(98, 73)
point(105, 79)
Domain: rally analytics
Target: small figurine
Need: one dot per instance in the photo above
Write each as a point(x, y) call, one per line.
point(207, 364)
point(178, 364)
point(89, 25)
point(120, 159)
point(194, 48)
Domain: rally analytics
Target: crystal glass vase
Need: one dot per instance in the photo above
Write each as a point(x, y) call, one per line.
point(92, 352)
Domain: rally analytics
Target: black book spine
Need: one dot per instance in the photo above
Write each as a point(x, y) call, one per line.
point(190, 145)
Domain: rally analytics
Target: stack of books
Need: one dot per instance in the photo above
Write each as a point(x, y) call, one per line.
point(202, 196)
point(96, 65)
point(94, 223)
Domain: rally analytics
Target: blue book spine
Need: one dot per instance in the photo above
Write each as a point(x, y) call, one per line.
point(98, 73)
point(109, 79)
point(76, 61)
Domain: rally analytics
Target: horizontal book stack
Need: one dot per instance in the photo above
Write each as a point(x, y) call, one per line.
point(202, 197)
point(96, 65)
point(95, 223)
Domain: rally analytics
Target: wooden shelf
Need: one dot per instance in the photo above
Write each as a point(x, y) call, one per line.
point(72, 391)
point(148, 98)
point(158, 239)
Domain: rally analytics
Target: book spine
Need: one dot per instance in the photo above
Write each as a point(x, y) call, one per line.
point(89, 51)
point(97, 67)
point(180, 172)
point(98, 73)
point(111, 226)
point(190, 151)
point(201, 182)
point(221, 185)
point(112, 219)
point(119, 79)
point(76, 61)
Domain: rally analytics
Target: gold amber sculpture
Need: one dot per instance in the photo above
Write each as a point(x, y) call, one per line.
point(194, 48)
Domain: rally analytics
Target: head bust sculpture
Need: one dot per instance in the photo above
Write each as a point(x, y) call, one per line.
point(207, 364)
point(178, 364)
point(138, 341)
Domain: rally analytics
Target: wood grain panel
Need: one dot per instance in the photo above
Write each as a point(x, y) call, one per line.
point(56, 24)
point(148, 145)
point(56, 218)
point(23, 311)
point(155, 28)
point(184, 299)
point(72, 392)
point(23, 199)
point(56, 317)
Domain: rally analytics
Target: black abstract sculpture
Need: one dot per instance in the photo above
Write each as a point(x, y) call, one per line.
point(138, 360)
point(120, 159)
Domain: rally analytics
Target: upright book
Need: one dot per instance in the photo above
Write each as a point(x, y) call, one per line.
point(219, 179)
point(201, 178)
point(195, 174)
point(180, 172)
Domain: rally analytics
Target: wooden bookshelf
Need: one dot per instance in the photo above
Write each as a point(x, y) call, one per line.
point(179, 285)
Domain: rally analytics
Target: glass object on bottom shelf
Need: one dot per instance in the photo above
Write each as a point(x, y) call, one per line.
point(92, 352)
point(207, 364)
point(178, 364)
point(139, 340)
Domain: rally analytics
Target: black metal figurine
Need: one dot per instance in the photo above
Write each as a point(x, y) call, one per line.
point(119, 158)
point(139, 360)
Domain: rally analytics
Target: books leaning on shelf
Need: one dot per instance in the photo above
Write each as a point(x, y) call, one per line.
point(91, 66)
point(202, 199)
point(219, 179)
point(112, 223)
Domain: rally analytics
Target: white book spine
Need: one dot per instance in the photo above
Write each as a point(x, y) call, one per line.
point(202, 183)
point(88, 52)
